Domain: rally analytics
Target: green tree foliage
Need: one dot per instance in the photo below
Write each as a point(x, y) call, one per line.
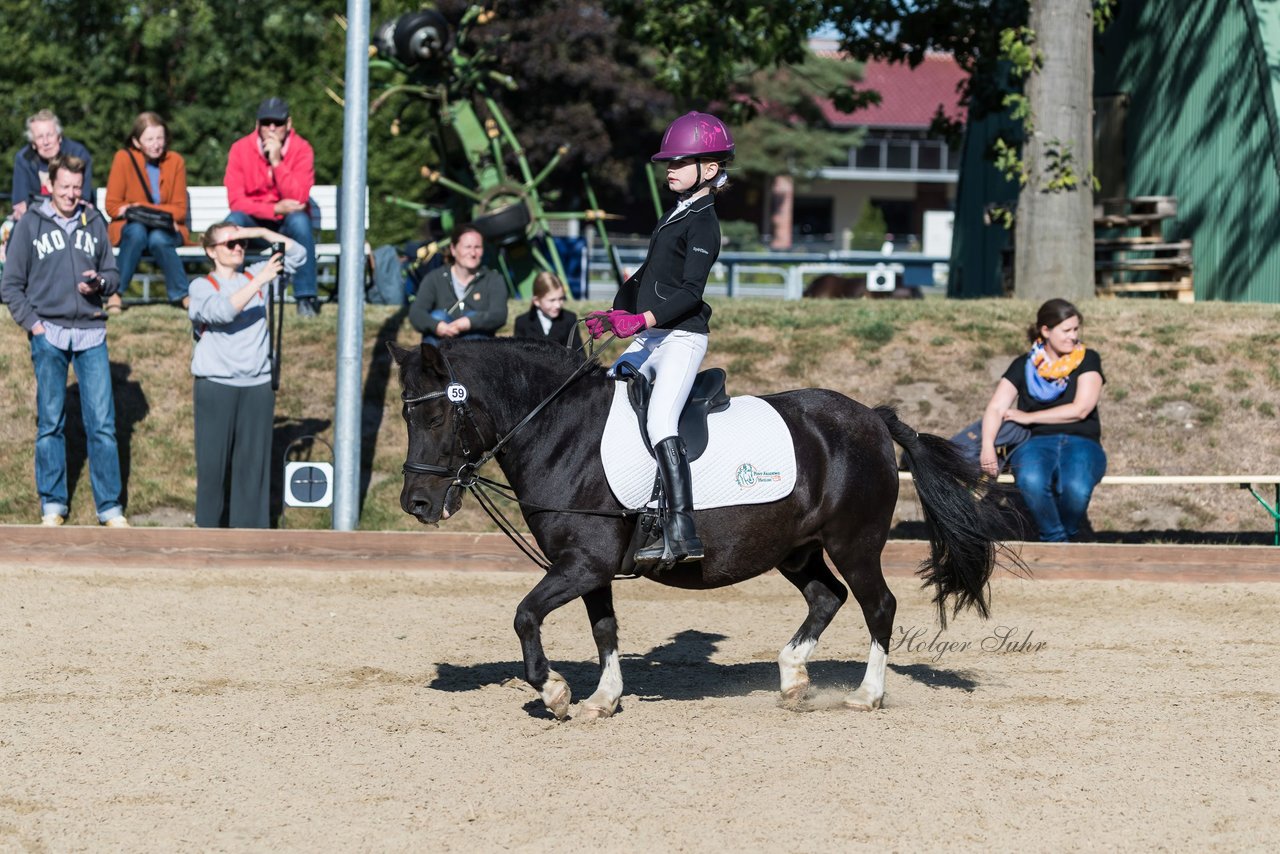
point(702, 46)
point(750, 62)
point(205, 65)
point(202, 65)
point(870, 229)
point(578, 83)
point(741, 236)
point(789, 132)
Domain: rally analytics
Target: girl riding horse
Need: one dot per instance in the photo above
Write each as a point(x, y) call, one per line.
point(662, 305)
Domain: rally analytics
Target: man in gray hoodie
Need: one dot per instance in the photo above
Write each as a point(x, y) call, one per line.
point(59, 269)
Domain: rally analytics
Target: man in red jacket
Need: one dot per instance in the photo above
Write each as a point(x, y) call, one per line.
point(269, 178)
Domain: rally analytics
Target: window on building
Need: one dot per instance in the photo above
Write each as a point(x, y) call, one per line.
point(901, 154)
point(904, 151)
point(899, 215)
point(929, 157)
point(812, 218)
point(869, 156)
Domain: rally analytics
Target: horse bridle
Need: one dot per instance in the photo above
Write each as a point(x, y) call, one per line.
point(466, 475)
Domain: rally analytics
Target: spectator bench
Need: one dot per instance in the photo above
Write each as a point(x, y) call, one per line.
point(1243, 481)
point(207, 205)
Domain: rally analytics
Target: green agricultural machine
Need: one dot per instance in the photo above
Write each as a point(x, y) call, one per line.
point(471, 145)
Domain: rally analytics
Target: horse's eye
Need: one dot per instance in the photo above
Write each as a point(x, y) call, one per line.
point(434, 422)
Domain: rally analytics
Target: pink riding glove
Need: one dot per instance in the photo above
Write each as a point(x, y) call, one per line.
point(625, 324)
point(598, 324)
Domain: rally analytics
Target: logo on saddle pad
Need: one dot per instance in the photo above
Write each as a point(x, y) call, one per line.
point(750, 429)
point(748, 476)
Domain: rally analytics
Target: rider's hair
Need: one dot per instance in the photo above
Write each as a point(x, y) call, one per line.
point(1052, 313)
point(724, 167)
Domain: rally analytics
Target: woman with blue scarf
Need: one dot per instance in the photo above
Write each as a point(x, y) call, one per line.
point(1053, 391)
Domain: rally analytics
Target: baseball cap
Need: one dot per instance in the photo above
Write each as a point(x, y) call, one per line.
point(273, 108)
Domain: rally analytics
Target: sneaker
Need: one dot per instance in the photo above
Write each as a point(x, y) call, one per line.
point(307, 307)
point(117, 522)
point(52, 520)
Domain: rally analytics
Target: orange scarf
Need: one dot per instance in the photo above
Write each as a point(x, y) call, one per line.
point(1057, 368)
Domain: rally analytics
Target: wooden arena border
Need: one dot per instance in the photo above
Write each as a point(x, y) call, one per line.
point(191, 549)
point(1241, 481)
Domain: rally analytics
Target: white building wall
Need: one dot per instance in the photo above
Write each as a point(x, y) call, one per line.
point(849, 197)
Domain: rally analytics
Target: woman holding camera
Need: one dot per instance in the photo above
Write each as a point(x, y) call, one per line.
point(234, 401)
point(149, 179)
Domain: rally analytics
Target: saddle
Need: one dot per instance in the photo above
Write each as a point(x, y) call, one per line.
point(708, 395)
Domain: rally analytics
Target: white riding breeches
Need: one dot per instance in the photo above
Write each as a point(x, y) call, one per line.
point(670, 359)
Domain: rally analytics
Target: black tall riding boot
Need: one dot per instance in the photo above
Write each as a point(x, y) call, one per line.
point(679, 539)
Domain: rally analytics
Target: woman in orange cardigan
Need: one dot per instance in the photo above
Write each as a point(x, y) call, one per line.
point(148, 174)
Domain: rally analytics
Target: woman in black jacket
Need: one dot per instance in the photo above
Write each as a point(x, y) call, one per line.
point(547, 319)
point(662, 306)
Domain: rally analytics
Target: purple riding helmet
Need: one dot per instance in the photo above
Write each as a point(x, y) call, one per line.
point(696, 135)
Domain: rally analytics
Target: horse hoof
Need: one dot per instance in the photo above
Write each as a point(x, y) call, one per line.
point(588, 712)
point(861, 701)
point(795, 693)
point(556, 695)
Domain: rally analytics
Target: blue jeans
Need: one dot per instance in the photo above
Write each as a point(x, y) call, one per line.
point(296, 226)
point(137, 238)
point(1056, 475)
point(442, 316)
point(93, 371)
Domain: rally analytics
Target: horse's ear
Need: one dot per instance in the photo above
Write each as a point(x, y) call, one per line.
point(432, 361)
point(400, 354)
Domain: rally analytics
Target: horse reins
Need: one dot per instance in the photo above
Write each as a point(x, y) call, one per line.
point(467, 474)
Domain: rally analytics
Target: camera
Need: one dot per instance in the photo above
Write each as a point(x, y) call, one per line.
point(278, 249)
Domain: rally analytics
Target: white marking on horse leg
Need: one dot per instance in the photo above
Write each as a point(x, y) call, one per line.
point(870, 694)
point(791, 665)
point(556, 695)
point(604, 702)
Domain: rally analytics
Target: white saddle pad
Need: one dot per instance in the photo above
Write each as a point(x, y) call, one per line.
point(749, 459)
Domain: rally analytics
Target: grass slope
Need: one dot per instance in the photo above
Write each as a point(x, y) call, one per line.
point(1191, 389)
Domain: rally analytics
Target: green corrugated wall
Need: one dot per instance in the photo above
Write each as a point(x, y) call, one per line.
point(976, 248)
point(1203, 78)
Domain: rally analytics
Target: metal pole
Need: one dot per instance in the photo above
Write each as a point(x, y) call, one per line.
point(355, 140)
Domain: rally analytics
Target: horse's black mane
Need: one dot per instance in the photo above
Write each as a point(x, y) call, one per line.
point(548, 356)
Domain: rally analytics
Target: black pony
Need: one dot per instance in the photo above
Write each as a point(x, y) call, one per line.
point(846, 488)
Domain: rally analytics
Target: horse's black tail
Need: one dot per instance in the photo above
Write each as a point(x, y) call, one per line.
point(962, 528)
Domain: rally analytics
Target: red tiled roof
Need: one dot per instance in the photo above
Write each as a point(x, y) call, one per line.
point(909, 96)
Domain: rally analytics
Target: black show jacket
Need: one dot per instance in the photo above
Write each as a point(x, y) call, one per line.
point(564, 329)
point(673, 276)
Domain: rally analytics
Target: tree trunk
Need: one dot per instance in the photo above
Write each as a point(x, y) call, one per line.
point(781, 198)
point(1053, 246)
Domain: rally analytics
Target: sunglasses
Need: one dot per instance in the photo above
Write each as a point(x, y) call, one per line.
point(238, 243)
point(273, 123)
